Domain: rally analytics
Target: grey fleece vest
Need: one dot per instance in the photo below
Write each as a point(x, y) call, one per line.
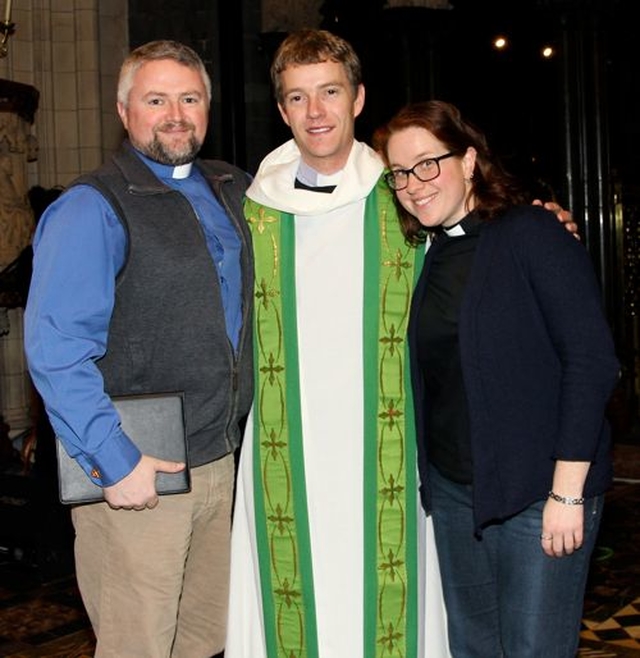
point(167, 331)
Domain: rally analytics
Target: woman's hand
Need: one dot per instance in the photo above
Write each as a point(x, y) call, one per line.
point(562, 528)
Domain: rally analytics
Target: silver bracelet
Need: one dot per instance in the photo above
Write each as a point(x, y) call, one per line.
point(566, 501)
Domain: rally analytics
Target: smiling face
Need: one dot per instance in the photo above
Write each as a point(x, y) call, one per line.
point(443, 201)
point(166, 112)
point(320, 106)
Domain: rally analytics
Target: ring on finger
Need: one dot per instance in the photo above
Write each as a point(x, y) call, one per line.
point(546, 537)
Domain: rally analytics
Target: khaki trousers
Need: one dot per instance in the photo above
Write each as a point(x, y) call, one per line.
point(155, 583)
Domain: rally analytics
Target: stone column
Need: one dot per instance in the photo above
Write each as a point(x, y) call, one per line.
point(290, 15)
point(18, 103)
point(429, 4)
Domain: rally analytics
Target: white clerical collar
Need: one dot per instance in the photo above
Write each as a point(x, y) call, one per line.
point(166, 171)
point(470, 224)
point(454, 231)
point(182, 171)
point(313, 178)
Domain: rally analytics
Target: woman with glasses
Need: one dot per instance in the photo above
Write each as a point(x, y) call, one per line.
point(512, 365)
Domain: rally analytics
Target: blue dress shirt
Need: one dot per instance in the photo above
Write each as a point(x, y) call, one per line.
point(79, 248)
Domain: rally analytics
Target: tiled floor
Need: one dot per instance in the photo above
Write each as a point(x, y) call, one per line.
point(41, 613)
point(611, 624)
point(39, 619)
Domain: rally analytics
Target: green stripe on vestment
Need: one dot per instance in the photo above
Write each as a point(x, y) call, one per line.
point(390, 488)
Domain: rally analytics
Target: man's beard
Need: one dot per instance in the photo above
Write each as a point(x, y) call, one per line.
point(172, 156)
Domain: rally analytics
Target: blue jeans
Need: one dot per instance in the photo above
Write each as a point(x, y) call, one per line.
point(504, 596)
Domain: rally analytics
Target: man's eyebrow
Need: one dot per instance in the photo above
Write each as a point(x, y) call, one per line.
point(164, 94)
point(324, 85)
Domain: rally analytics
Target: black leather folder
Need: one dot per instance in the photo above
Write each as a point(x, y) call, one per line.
point(156, 424)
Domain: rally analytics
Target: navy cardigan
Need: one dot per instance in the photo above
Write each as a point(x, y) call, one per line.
point(538, 362)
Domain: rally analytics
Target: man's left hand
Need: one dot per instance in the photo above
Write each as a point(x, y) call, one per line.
point(563, 215)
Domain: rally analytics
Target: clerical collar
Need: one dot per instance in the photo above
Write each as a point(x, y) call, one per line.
point(308, 178)
point(182, 171)
point(455, 230)
point(167, 171)
point(469, 224)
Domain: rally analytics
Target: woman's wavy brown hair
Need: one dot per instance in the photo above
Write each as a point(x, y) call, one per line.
point(492, 188)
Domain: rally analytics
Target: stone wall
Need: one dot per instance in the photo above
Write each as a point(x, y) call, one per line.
point(70, 51)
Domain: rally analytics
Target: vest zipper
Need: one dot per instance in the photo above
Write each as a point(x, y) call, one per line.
point(217, 186)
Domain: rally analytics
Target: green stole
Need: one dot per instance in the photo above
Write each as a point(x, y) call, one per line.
point(390, 596)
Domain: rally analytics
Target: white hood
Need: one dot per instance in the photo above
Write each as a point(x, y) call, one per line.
point(273, 185)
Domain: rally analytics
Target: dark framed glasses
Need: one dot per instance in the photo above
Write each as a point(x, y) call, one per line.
point(425, 170)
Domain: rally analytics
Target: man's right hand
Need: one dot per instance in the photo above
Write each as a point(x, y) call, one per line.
point(137, 490)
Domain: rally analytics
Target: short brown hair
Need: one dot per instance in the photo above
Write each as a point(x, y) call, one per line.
point(313, 47)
